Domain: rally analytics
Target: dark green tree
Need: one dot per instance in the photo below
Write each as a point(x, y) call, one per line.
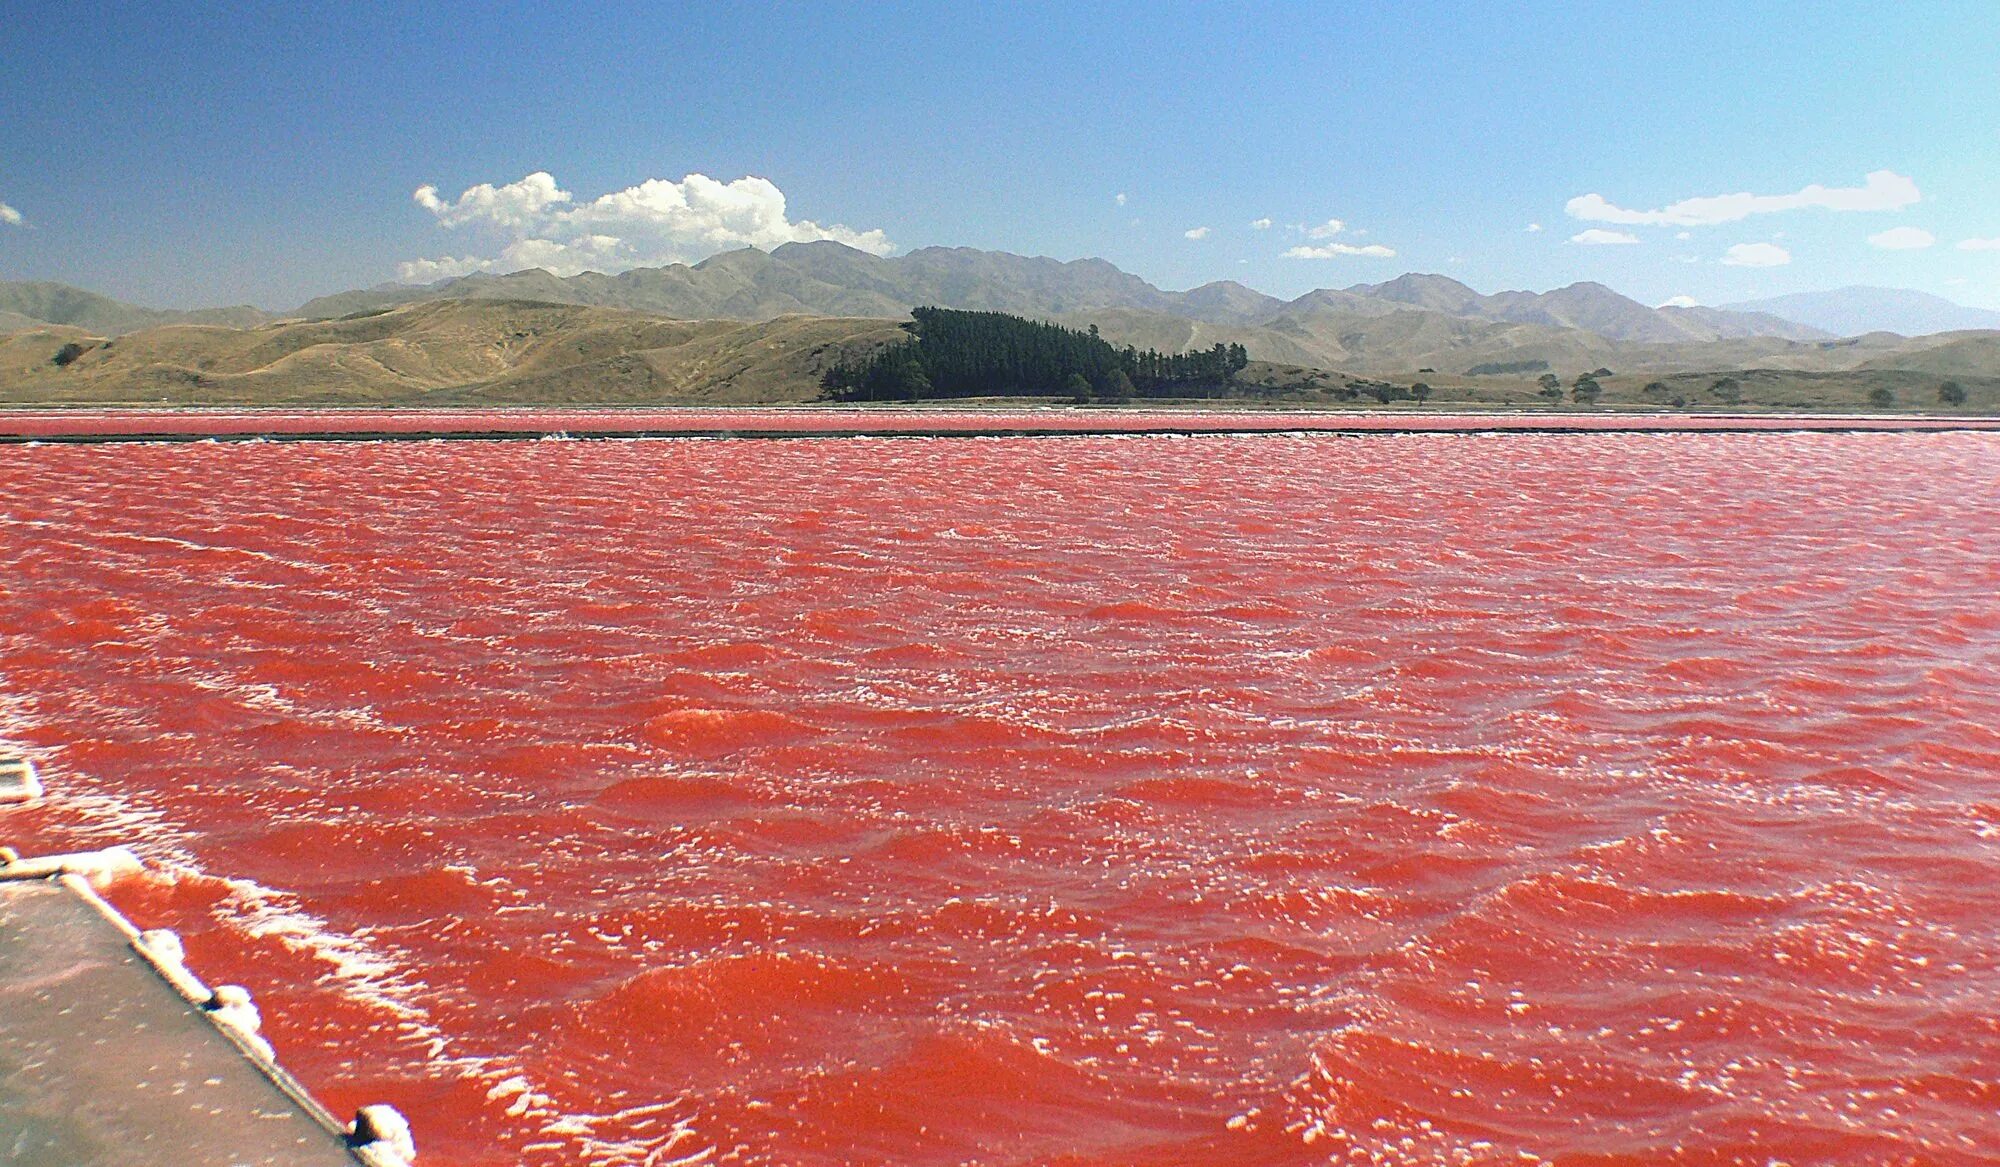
point(1882, 397)
point(980, 354)
point(1951, 393)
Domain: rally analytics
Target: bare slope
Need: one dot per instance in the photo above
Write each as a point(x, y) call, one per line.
point(494, 351)
point(510, 351)
point(1376, 337)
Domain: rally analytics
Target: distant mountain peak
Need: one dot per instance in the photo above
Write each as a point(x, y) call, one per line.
point(828, 246)
point(1413, 282)
point(737, 260)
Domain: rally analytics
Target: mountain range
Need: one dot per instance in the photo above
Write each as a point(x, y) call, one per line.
point(30, 305)
point(1414, 324)
point(830, 279)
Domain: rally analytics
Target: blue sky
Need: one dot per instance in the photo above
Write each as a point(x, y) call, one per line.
point(208, 155)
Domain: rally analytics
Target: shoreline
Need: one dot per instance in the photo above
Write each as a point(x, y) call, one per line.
point(183, 424)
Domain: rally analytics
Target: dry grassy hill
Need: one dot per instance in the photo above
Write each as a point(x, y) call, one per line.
point(501, 352)
point(439, 352)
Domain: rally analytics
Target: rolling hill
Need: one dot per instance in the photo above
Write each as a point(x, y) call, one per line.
point(748, 326)
point(495, 351)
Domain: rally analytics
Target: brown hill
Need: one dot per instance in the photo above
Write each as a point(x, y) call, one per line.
point(454, 350)
point(1945, 354)
point(519, 352)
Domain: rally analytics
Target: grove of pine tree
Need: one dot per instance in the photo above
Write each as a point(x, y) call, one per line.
point(992, 354)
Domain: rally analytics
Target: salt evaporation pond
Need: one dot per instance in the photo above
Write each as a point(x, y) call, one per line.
point(1604, 799)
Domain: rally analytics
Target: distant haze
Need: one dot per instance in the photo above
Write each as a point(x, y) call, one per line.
point(1854, 311)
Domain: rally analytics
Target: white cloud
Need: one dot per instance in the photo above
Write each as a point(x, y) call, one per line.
point(535, 223)
point(1682, 302)
point(9, 215)
point(1533, 227)
point(1902, 239)
point(1684, 235)
point(518, 205)
point(1599, 237)
point(1882, 190)
point(445, 267)
point(1328, 230)
point(1335, 250)
point(1979, 244)
point(1119, 198)
point(1260, 224)
point(1196, 233)
point(1757, 255)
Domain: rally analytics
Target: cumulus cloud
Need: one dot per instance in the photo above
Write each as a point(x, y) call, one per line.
point(444, 267)
point(1326, 230)
point(10, 216)
point(1881, 190)
point(1599, 237)
point(1533, 227)
point(1756, 255)
point(1260, 224)
point(1902, 239)
point(1196, 233)
point(1681, 302)
point(1119, 198)
point(518, 205)
point(1979, 244)
point(536, 223)
point(1336, 250)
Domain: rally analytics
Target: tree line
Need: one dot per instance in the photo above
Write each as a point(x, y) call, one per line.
point(993, 354)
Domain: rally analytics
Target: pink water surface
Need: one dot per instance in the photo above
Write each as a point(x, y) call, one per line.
point(1602, 799)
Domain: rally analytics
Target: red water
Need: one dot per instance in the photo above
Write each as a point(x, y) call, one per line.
point(1604, 799)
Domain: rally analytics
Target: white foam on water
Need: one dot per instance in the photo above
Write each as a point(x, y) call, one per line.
point(363, 971)
point(655, 1138)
